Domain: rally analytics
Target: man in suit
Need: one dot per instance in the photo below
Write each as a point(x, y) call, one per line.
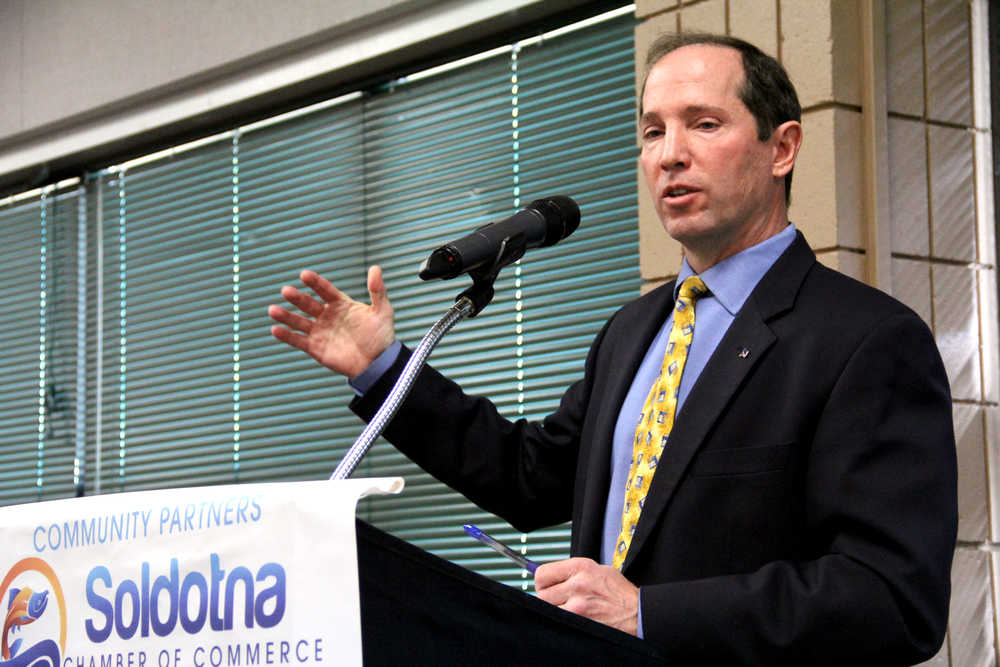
point(801, 508)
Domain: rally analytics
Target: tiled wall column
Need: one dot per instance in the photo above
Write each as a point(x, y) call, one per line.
point(944, 266)
point(931, 204)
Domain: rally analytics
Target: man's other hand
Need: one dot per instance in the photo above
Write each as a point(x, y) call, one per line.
point(584, 587)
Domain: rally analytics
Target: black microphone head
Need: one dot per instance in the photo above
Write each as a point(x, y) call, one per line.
point(562, 217)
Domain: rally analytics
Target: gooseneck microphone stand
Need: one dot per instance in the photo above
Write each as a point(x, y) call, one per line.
point(467, 304)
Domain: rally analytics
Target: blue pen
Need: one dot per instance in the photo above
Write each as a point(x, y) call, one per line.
point(500, 548)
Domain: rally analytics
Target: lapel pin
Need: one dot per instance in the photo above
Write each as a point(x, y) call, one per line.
point(744, 353)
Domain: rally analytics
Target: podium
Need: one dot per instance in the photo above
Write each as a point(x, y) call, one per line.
point(258, 574)
point(418, 609)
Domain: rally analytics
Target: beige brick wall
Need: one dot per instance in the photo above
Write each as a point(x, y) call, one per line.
point(937, 218)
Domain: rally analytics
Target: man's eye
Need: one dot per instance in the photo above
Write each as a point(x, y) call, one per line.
point(707, 125)
point(651, 134)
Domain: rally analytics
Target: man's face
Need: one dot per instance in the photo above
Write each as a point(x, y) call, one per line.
point(712, 180)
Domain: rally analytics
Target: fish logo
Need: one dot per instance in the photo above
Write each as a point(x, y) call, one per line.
point(24, 607)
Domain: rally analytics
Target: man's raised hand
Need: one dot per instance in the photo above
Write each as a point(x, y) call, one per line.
point(342, 334)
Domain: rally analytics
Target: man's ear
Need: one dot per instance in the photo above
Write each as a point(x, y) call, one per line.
point(786, 139)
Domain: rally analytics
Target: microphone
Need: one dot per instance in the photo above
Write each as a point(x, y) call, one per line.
point(542, 223)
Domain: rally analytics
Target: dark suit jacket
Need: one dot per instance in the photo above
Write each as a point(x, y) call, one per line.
point(804, 511)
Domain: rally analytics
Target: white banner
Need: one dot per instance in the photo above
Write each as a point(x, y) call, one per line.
point(225, 576)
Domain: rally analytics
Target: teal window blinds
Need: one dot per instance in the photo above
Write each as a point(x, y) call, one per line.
point(38, 324)
point(184, 251)
point(550, 118)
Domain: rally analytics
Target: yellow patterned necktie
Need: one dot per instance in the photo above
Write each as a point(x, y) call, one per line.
point(657, 416)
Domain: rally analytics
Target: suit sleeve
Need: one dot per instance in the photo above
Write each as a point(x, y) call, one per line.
point(881, 517)
point(520, 470)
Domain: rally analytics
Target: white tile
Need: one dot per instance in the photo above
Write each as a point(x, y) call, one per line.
point(908, 208)
point(970, 625)
point(911, 284)
point(989, 328)
point(973, 494)
point(850, 187)
point(905, 57)
point(956, 328)
point(949, 66)
point(953, 203)
point(991, 424)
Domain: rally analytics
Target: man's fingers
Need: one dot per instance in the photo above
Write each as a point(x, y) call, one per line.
point(303, 302)
point(295, 340)
point(323, 288)
point(290, 319)
point(553, 581)
point(555, 572)
point(377, 291)
point(556, 595)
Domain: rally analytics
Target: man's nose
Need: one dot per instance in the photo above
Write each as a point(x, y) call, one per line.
point(674, 152)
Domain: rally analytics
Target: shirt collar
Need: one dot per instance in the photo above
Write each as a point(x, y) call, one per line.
point(731, 280)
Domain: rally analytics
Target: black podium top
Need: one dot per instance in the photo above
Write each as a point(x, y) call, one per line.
point(417, 609)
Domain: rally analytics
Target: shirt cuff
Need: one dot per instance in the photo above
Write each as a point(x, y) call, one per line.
point(368, 377)
point(638, 627)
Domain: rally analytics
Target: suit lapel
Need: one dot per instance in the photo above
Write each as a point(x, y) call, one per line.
point(740, 350)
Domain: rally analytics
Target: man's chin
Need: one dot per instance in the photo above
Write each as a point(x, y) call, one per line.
point(689, 230)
